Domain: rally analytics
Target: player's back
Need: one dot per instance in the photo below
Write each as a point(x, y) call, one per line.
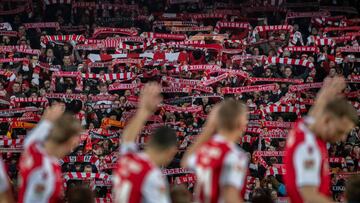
point(134, 177)
point(218, 163)
point(306, 162)
point(40, 177)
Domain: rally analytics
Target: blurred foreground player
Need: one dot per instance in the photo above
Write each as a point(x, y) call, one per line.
point(352, 192)
point(40, 178)
point(219, 163)
point(306, 158)
point(5, 189)
point(137, 177)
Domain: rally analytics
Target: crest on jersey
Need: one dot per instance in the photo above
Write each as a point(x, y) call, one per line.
point(309, 164)
point(39, 189)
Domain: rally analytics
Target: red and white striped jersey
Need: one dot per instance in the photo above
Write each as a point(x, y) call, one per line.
point(218, 163)
point(137, 179)
point(40, 177)
point(4, 182)
point(306, 162)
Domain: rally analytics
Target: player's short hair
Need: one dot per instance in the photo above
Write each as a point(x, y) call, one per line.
point(163, 138)
point(229, 110)
point(179, 194)
point(81, 194)
point(341, 108)
point(64, 128)
point(352, 190)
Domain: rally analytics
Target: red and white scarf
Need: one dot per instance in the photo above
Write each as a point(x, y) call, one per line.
point(255, 88)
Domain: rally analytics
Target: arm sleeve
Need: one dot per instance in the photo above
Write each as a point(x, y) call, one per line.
point(234, 170)
point(39, 133)
point(307, 162)
point(4, 182)
point(155, 189)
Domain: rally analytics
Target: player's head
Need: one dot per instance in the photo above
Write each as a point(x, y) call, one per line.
point(65, 134)
point(232, 116)
point(337, 120)
point(352, 190)
point(80, 194)
point(164, 141)
point(179, 194)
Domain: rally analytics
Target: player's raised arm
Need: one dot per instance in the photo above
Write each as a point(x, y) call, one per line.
point(208, 131)
point(41, 131)
point(331, 89)
point(150, 98)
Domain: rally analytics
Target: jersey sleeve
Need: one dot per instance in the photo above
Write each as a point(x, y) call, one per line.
point(4, 182)
point(234, 170)
point(155, 189)
point(191, 161)
point(39, 133)
point(307, 165)
point(128, 147)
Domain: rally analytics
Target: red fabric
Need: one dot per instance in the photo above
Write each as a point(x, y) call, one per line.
point(124, 175)
point(212, 168)
point(290, 176)
point(31, 160)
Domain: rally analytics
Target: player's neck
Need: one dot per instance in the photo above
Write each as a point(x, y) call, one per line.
point(51, 149)
point(154, 156)
point(313, 128)
point(230, 136)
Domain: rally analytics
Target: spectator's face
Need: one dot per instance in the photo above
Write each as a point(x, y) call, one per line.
point(256, 51)
point(78, 167)
point(47, 84)
point(67, 61)
point(69, 91)
point(310, 80)
point(22, 30)
point(16, 88)
point(34, 59)
point(332, 72)
point(87, 169)
point(25, 87)
point(268, 73)
point(288, 72)
point(274, 195)
point(6, 39)
point(103, 89)
point(49, 53)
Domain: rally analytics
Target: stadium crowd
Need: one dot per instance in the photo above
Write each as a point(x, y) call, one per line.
point(96, 56)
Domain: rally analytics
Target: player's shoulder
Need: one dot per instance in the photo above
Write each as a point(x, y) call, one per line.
point(297, 135)
point(235, 155)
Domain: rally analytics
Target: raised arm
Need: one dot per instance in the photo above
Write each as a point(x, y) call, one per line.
point(330, 90)
point(41, 131)
point(208, 131)
point(150, 98)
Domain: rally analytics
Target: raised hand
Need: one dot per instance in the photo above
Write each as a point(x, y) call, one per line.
point(150, 98)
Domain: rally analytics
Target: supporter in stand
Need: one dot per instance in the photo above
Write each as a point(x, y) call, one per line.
point(137, 177)
point(220, 165)
point(306, 161)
